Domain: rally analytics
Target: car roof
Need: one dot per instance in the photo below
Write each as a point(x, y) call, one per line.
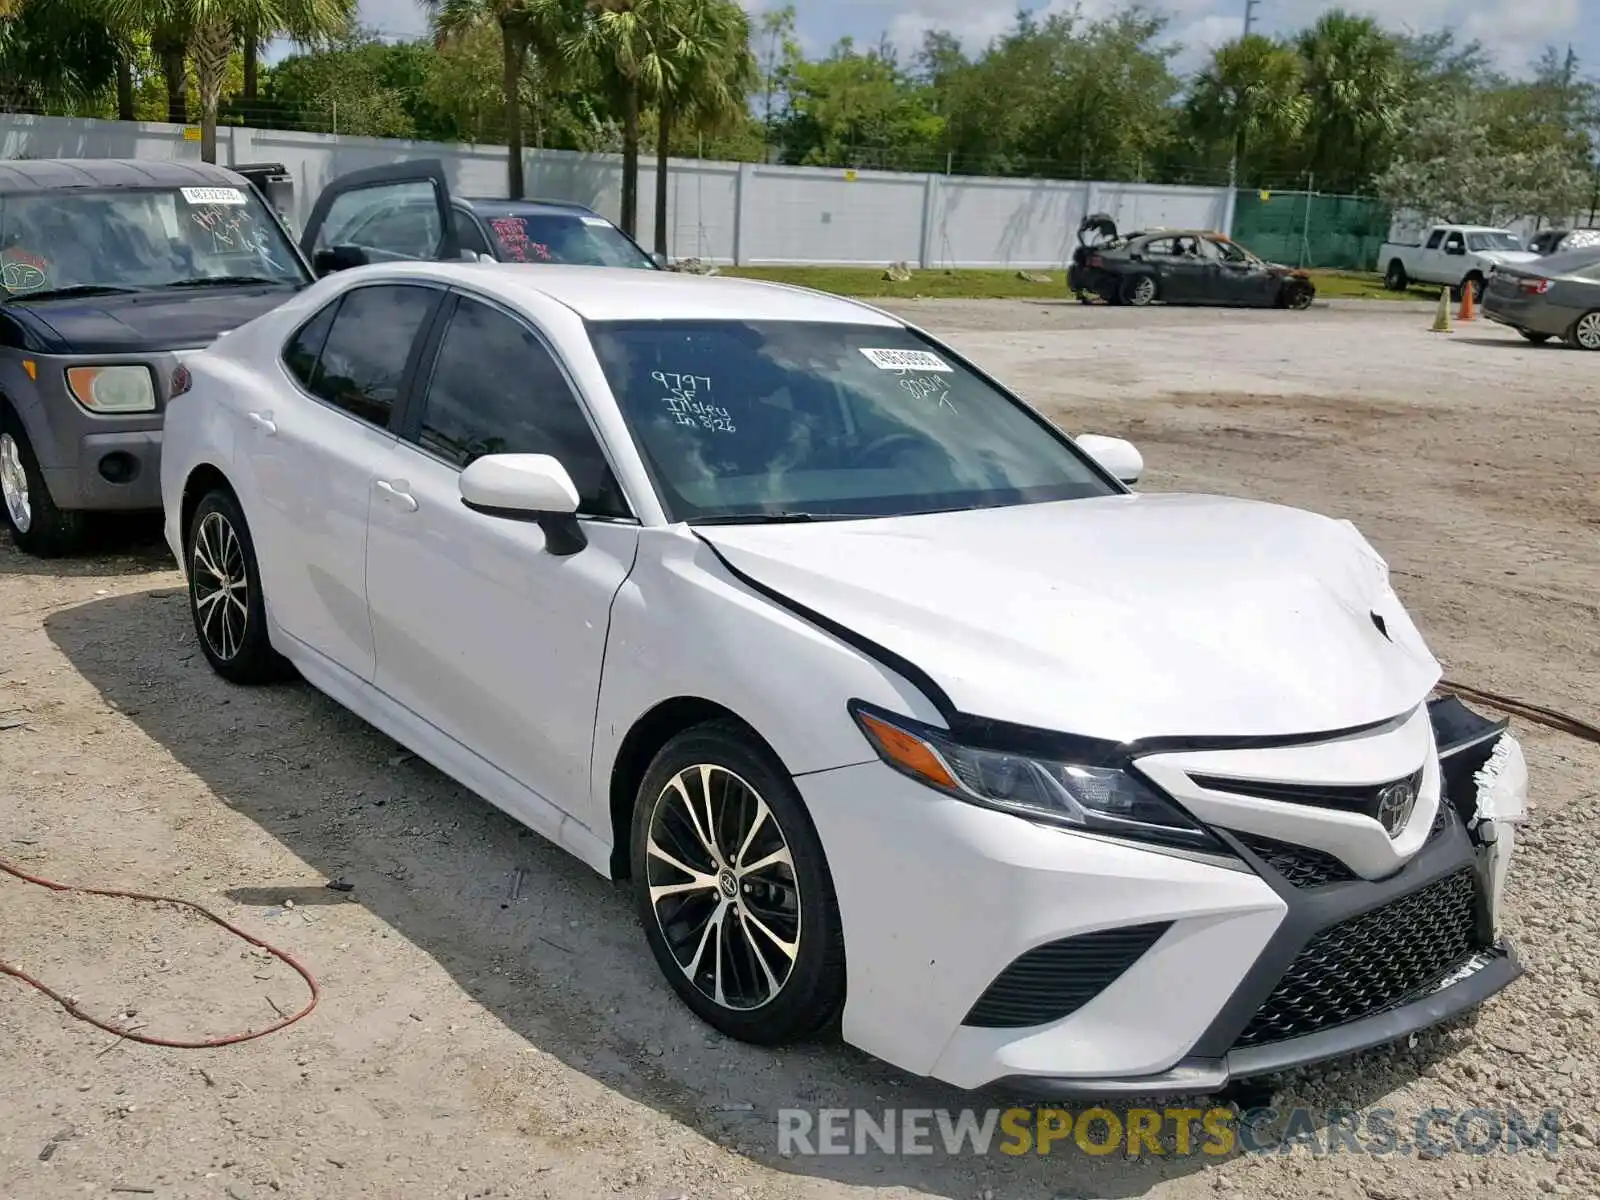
point(50, 174)
point(624, 294)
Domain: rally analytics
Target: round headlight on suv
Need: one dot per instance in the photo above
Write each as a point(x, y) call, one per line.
point(120, 389)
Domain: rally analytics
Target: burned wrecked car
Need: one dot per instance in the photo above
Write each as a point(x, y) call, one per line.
point(1179, 266)
point(112, 272)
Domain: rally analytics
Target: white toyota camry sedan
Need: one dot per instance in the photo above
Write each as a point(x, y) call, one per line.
point(894, 704)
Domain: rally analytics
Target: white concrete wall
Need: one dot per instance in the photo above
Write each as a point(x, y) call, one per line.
point(742, 213)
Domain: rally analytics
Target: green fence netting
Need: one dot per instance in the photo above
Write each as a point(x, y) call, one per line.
point(1309, 229)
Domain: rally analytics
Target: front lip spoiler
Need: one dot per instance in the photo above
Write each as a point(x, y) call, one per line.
point(1204, 1076)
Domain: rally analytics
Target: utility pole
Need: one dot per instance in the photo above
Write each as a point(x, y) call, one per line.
point(1233, 162)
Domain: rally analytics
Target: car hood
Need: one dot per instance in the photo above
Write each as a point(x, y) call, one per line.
point(143, 322)
point(1121, 617)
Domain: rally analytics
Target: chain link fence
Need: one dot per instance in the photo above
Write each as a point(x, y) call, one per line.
point(1312, 229)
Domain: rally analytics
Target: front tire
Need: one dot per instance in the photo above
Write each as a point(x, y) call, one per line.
point(37, 526)
point(225, 600)
point(733, 890)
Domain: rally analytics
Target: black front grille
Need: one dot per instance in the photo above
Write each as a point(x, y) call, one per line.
point(1362, 799)
point(1373, 962)
point(1055, 980)
point(1302, 866)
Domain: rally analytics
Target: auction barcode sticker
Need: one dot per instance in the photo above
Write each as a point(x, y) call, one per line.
point(906, 360)
point(214, 195)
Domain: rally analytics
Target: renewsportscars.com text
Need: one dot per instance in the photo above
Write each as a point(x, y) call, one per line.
point(1170, 1132)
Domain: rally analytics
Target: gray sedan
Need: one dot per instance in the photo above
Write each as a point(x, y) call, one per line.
point(1554, 297)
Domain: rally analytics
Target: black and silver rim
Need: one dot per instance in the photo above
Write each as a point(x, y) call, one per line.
point(1587, 331)
point(14, 484)
point(1144, 290)
point(723, 887)
point(220, 585)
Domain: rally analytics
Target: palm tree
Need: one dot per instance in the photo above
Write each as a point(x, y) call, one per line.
point(212, 30)
point(1253, 90)
point(1356, 81)
point(52, 53)
point(539, 27)
point(708, 71)
point(617, 38)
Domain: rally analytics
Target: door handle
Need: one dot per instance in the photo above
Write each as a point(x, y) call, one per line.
point(263, 423)
point(405, 499)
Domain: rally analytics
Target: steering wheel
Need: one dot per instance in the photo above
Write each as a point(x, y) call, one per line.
point(891, 443)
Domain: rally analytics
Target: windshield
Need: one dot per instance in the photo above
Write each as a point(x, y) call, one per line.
point(129, 239)
point(794, 418)
point(1495, 240)
point(574, 239)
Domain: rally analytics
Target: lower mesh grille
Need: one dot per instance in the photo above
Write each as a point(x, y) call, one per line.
point(1055, 980)
point(1300, 865)
point(1372, 962)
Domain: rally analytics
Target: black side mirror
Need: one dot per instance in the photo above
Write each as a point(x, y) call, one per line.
point(338, 258)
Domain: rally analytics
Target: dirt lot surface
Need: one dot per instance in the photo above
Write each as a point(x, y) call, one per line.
point(470, 1045)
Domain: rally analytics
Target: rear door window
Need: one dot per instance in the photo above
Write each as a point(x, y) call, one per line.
point(363, 359)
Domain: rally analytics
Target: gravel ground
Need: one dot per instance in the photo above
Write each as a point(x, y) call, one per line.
point(468, 1045)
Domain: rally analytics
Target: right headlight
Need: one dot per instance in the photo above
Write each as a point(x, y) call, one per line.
point(1095, 799)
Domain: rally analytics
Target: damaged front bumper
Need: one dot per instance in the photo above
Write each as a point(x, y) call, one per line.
point(1486, 780)
point(1329, 932)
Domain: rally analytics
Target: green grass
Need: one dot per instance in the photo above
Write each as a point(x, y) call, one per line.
point(972, 284)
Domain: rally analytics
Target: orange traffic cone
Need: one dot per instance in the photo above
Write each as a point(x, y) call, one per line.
point(1469, 302)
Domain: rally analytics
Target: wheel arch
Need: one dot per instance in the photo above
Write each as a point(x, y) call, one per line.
point(639, 748)
point(203, 478)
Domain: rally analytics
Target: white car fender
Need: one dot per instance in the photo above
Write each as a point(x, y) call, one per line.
point(683, 626)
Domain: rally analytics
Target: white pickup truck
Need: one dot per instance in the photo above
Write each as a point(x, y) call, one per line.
point(1452, 255)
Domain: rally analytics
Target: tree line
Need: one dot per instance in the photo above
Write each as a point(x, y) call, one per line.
point(1343, 106)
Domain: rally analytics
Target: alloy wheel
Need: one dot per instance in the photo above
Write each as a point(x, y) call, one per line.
point(14, 484)
point(1587, 331)
point(1144, 291)
point(722, 887)
point(221, 586)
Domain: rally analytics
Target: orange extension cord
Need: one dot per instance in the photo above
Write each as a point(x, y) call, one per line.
point(209, 1043)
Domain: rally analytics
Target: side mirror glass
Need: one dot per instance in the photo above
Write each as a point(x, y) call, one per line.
point(1117, 455)
point(526, 487)
point(338, 258)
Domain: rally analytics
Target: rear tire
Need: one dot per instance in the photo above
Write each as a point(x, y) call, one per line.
point(1395, 278)
point(1585, 334)
point(758, 954)
point(221, 562)
point(37, 526)
point(1140, 291)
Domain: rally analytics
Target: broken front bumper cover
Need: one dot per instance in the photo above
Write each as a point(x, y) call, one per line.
point(1485, 784)
point(1489, 971)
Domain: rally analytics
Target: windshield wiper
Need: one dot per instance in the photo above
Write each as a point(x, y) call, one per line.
point(781, 517)
point(73, 289)
point(226, 281)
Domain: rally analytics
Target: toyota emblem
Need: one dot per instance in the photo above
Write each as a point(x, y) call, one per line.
point(1395, 803)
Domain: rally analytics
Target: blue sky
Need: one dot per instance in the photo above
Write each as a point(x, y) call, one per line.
point(1513, 30)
